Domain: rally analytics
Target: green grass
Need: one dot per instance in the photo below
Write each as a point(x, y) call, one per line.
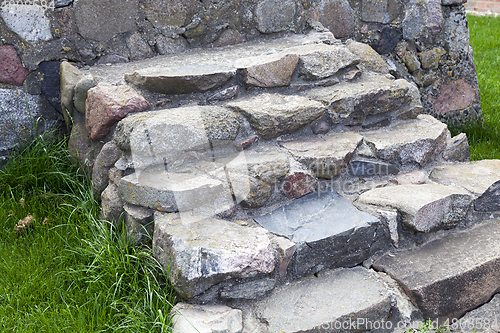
point(484, 140)
point(68, 271)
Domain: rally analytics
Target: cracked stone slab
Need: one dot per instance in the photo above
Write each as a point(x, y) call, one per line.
point(274, 114)
point(355, 103)
point(201, 253)
point(335, 297)
point(476, 177)
point(424, 207)
point(325, 156)
point(415, 141)
point(170, 191)
point(328, 230)
point(450, 276)
point(183, 79)
point(192, 318)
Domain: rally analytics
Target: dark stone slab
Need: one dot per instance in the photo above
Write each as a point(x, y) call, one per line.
point(489, 200)
point(50, 82)
point(365, 168)
point(388, 40)
point(329, 231)
point(450, 276)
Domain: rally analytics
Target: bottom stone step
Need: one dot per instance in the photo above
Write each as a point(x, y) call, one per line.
point(343, 300)
point(447, 277)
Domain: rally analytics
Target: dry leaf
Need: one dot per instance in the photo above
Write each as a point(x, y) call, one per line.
point(23, 224)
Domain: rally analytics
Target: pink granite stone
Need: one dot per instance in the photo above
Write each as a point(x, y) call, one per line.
point(299, 184)
point(106, 105)
point(11, 68)
point(454, 96)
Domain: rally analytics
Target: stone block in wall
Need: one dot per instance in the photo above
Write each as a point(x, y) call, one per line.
point(50, 82)
point(335, 15)
point(106, 105)
point(370, 59)
point(80, 91)
point(112, 205)
point(275, 15)
point(139, 222)
point(11, 69)
point(22, 118)
point(164, 13)
point(107, 157)
point(100, 20)
point(454, 96)
point(81, 148)
point(138, 48)
point(28, 21)
point(190, 318)
point(70, 75)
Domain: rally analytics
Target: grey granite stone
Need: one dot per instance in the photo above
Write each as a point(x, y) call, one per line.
point(328, 230)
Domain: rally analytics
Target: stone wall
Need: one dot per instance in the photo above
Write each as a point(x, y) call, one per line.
point(423, 41)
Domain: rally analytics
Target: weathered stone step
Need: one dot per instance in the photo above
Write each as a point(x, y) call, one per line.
point(425, 207)
point(343, 300)
point(447, 277)
point(373, 99)
point(476, 177)
point(228, 260)
point(264, 64)
point(328, 230)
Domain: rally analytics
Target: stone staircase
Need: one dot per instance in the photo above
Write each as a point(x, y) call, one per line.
point(290, 185)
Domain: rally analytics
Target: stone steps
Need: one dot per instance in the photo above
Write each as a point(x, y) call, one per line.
point(272, 175)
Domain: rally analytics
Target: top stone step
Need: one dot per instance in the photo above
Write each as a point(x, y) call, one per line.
point(266, 64)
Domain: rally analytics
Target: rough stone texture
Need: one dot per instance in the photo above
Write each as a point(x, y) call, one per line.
point(450, 276)
point(163, 13)
point(318, 303)
point(411, 62)
point(50, 82)
point(415, 177)
point(181, 80)
point(273, 114)
point(275, 15)
point(112, 205)
point(18, 124)
point(11, 68)
point(325, 157)
point(139, 222)
point(475, 177)
point(453, 96)
point(416, 141)
point(102, 19)
point(374, 11)
point(490, 199)
point(28, 21)
point(202, 253)
point(430, 58)
point(368, 168)
point(224, 94)
point(457, 149)
point(336, 15)
point(485, 319)
point(328, 230)
point(139, 49)
point(298, 184)
point(372, 96)
point(168, 191)
point(107, 157)
point(269, 71)
point(423, 207)
point(160, 137)
point(286, 250)
point(70, 75)
point(168, 45)
point(322, 64)
point(82, 149)
point(191, 318)
point(106, 105)
point(80, 91)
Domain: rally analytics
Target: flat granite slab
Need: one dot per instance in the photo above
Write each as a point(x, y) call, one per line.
point(450, 276)
point(329, 231)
